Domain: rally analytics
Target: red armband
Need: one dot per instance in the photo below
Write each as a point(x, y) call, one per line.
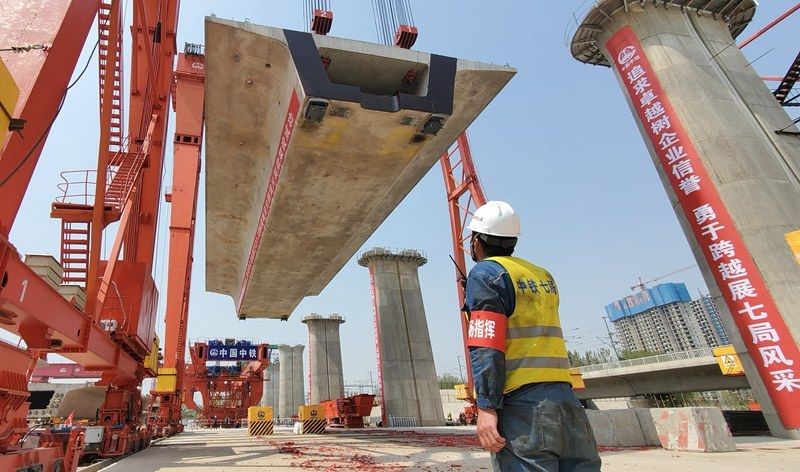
point(487, 329)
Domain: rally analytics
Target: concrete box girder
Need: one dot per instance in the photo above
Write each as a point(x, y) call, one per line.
point(340, 178)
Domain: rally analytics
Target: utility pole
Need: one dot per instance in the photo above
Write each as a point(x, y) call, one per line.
point(611, 338)
point(460, 372)
point(371, 385)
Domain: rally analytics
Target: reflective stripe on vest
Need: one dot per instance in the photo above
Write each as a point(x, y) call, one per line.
point(535, 349)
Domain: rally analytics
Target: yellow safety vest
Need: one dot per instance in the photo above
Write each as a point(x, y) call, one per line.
point(535, 348)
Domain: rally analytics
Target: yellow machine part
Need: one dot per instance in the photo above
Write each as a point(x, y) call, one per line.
point(259, 413)
point(576, 378)
point(793, 239)
point(151, 361)
point(167, 380)
point(9, 94)
point(461, 392)
point(310, 412)
point(728, 360)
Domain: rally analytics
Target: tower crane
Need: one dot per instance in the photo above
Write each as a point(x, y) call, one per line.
point(642, 285)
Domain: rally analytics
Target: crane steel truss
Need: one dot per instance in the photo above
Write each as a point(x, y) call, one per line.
point(464, 195)
point(114, 333)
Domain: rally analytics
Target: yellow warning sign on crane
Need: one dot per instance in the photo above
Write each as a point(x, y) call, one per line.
point(793, 239)
point(9, 93)
point(728, 360)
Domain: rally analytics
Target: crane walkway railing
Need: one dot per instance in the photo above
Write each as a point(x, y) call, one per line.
point(673, 356)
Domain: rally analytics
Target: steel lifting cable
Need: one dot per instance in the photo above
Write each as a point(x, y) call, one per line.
point(375, 21)
point(376, 13)
point(387, 28)
point(388, 15)
point(52, 121)
point(399, 6)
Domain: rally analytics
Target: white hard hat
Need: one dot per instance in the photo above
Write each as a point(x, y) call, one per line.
point(495, 218)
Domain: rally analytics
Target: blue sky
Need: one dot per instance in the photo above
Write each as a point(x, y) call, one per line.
point(559, 144)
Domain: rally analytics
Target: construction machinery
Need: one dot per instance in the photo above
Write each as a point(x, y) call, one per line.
point(99, 308)
point(164, 418)
point(230, 386)
point(348, 412)
point(112, 332)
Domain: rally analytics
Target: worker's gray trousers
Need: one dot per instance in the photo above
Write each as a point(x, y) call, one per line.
point(546, 430)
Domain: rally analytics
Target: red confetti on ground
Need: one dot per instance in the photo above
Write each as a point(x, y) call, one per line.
point(334, 458)
point(457, 441)
point(287, 448)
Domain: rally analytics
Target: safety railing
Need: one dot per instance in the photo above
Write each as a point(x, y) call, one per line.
point(403, 421)
point(673, 356)
point(78, 186)
point(727, 10)
point(207, 340)
point(317, 316)
point(577, 17)
point(392, 251)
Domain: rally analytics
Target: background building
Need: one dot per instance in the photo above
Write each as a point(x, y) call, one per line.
point(665, 319)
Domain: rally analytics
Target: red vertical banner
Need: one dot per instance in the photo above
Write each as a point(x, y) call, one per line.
point(272, 184)
point(373, 292)
point(764, 332)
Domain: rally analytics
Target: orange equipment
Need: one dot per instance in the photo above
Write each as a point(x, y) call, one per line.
point(113, 334)
point(348, 412)
point(227, 391)
point(188, 99)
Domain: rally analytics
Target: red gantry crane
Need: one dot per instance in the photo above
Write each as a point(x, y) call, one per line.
point(113, 334)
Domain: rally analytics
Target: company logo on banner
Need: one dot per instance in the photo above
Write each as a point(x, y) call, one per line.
point(233, 353)
point(761, 326)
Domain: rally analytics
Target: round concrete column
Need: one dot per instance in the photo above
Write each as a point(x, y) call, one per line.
point(730, 118)
point(290, 374)
point(408, 372)
point(324, 357)
point(271, 395)
point(298, 380)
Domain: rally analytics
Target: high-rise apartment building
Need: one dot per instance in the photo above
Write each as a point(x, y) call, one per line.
point(665, 319)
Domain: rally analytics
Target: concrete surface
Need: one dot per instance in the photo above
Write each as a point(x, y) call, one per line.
point(731, 117)
point(623, 428)
point(681, 375)
point(760, 454)
point(425, 449)
point(692, 429)
point(60, 392)
point(271, 396)
point(410, 386)
point(325, 376)
point(340, 178)
point(291, 391)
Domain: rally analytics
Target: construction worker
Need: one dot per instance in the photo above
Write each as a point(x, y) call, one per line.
point(528, 415)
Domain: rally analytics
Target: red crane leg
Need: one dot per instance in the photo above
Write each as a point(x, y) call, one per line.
point(165, 408)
